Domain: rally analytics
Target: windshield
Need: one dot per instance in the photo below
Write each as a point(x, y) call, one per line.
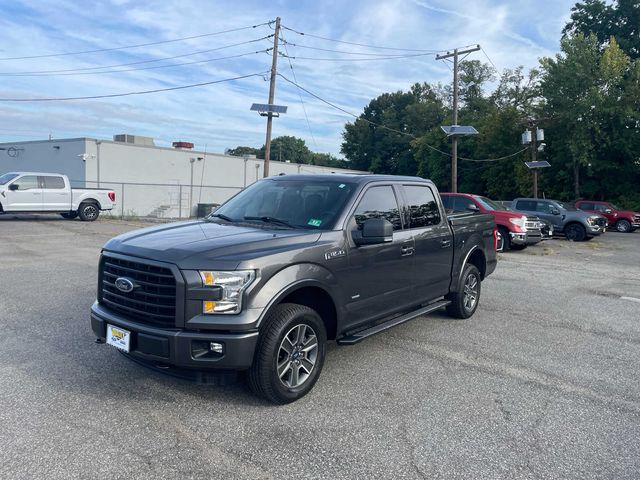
point(288, 203)
point(7, 177)
point(567, 206)
point(489, 204)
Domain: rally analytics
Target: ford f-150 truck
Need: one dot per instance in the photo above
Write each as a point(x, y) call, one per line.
point(623, 221)
point(33, 192)
point(517, 230)
point(575, 224)
point(284, 266)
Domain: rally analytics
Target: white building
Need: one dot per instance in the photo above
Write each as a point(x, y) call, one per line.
point(148, 180)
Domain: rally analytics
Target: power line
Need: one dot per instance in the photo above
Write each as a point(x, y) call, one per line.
point(142, 92)
point(161, 42)
point(390, 57)
point(358, 44)
point(393, 129)
point(348, 52)
point(284, 42)
point(145, 68)
point(139, 62)
point(490, 61)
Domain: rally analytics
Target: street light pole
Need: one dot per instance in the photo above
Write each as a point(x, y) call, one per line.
point(454, 139)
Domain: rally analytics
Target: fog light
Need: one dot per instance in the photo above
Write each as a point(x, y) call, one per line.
point(208, 306)
point(215, 347)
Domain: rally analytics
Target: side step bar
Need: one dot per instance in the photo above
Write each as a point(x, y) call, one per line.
point(381, 327)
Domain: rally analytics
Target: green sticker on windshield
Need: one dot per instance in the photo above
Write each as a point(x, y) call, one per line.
point(314, 222)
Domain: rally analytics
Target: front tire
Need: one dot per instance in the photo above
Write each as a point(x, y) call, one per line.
point(575, 232)
point(465, 300)
point(290, 354)
point(88, 212)
point(623, 226)
point(506, 239)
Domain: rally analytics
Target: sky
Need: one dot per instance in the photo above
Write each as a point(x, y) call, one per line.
point(216, 116)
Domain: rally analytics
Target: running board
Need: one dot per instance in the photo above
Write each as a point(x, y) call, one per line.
point(381, 327)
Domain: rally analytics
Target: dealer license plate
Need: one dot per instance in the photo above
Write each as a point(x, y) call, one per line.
point(118, 337)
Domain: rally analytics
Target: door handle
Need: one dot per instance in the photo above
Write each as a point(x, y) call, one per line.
point(406, 251)
point(445, 243)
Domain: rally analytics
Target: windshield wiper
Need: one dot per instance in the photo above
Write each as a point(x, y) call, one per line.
point(271, 220)
point(222, 216)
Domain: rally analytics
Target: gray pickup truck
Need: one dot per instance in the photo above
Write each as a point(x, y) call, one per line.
point(575, 224)
point(284, 266)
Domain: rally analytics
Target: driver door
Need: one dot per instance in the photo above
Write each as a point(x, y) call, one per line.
point(379, 278)
point(24, 195)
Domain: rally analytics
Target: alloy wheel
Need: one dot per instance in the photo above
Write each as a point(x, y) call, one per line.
point(470, 292)
point(297, 356)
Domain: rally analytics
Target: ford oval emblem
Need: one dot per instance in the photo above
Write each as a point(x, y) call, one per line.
point(124, 284)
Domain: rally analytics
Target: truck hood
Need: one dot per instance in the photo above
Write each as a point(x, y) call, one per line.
point(202, 244)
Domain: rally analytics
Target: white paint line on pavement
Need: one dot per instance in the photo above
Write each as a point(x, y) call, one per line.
point(631, 299)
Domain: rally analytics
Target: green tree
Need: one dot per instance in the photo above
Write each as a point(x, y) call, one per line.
point(619, 19)
point(240, 151)
point(380, 139)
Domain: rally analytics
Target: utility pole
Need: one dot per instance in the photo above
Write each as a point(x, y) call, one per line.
point(534, 155)
point(454, 139)
point(272, 91)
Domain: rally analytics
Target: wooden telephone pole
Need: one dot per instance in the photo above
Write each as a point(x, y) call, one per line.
point(272, 92)
point(454, 139)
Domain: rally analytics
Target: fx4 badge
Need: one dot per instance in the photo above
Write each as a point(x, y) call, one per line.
point(334, 254)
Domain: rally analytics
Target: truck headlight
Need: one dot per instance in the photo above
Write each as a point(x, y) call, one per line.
point(520, 222)
point(591, 220)
point(233, 284)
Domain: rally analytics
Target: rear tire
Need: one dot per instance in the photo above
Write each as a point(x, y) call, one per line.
point(69, 215)
point(88, 212)
point(624, 226)
point(290, 354)
point(575, 232)
point(465, 300)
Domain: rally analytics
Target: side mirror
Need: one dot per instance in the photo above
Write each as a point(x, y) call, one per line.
point(473, 207)
point(608, 210)
point(13, 187)
point(555, 211)
point(374, 231)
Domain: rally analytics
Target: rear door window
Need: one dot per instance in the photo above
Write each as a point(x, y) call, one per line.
point(422, 206)
point(53, 182)
point(528, 205)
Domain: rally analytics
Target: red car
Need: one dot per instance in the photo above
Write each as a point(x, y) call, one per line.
point(623, 220)
point(517, 230)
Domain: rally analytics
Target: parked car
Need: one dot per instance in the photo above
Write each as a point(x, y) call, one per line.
point(517, 230)
point(282, 267)
point(622, 220)
point(32, 192)
point(573, 223)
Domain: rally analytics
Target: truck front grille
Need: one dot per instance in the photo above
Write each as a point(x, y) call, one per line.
point(601, 222)
point(153, 298)
point(532, 223)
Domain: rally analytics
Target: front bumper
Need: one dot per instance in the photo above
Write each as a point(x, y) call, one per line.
point(526, 238)
point(595, 230)
point(175, 346)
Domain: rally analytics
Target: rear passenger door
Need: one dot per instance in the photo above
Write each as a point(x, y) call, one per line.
point(379, 279)
point(433, 242)
point(55, 196)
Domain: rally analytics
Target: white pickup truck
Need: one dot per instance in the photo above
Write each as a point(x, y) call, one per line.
point(34, 192)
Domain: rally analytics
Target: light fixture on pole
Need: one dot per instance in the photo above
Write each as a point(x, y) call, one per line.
point(270, 111)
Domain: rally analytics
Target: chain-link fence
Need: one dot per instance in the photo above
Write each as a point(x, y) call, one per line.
point(162, 200)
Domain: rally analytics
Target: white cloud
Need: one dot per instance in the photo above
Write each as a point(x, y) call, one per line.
point(511, 33)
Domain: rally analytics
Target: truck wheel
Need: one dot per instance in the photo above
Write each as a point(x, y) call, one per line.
point(575, 232)
point(464, 301)
point(290, 354)
point(623, 226)
point(88, 212)
point(69, 215)
point(506, 239)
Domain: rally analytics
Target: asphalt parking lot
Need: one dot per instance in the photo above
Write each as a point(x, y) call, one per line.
point(543, 382)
